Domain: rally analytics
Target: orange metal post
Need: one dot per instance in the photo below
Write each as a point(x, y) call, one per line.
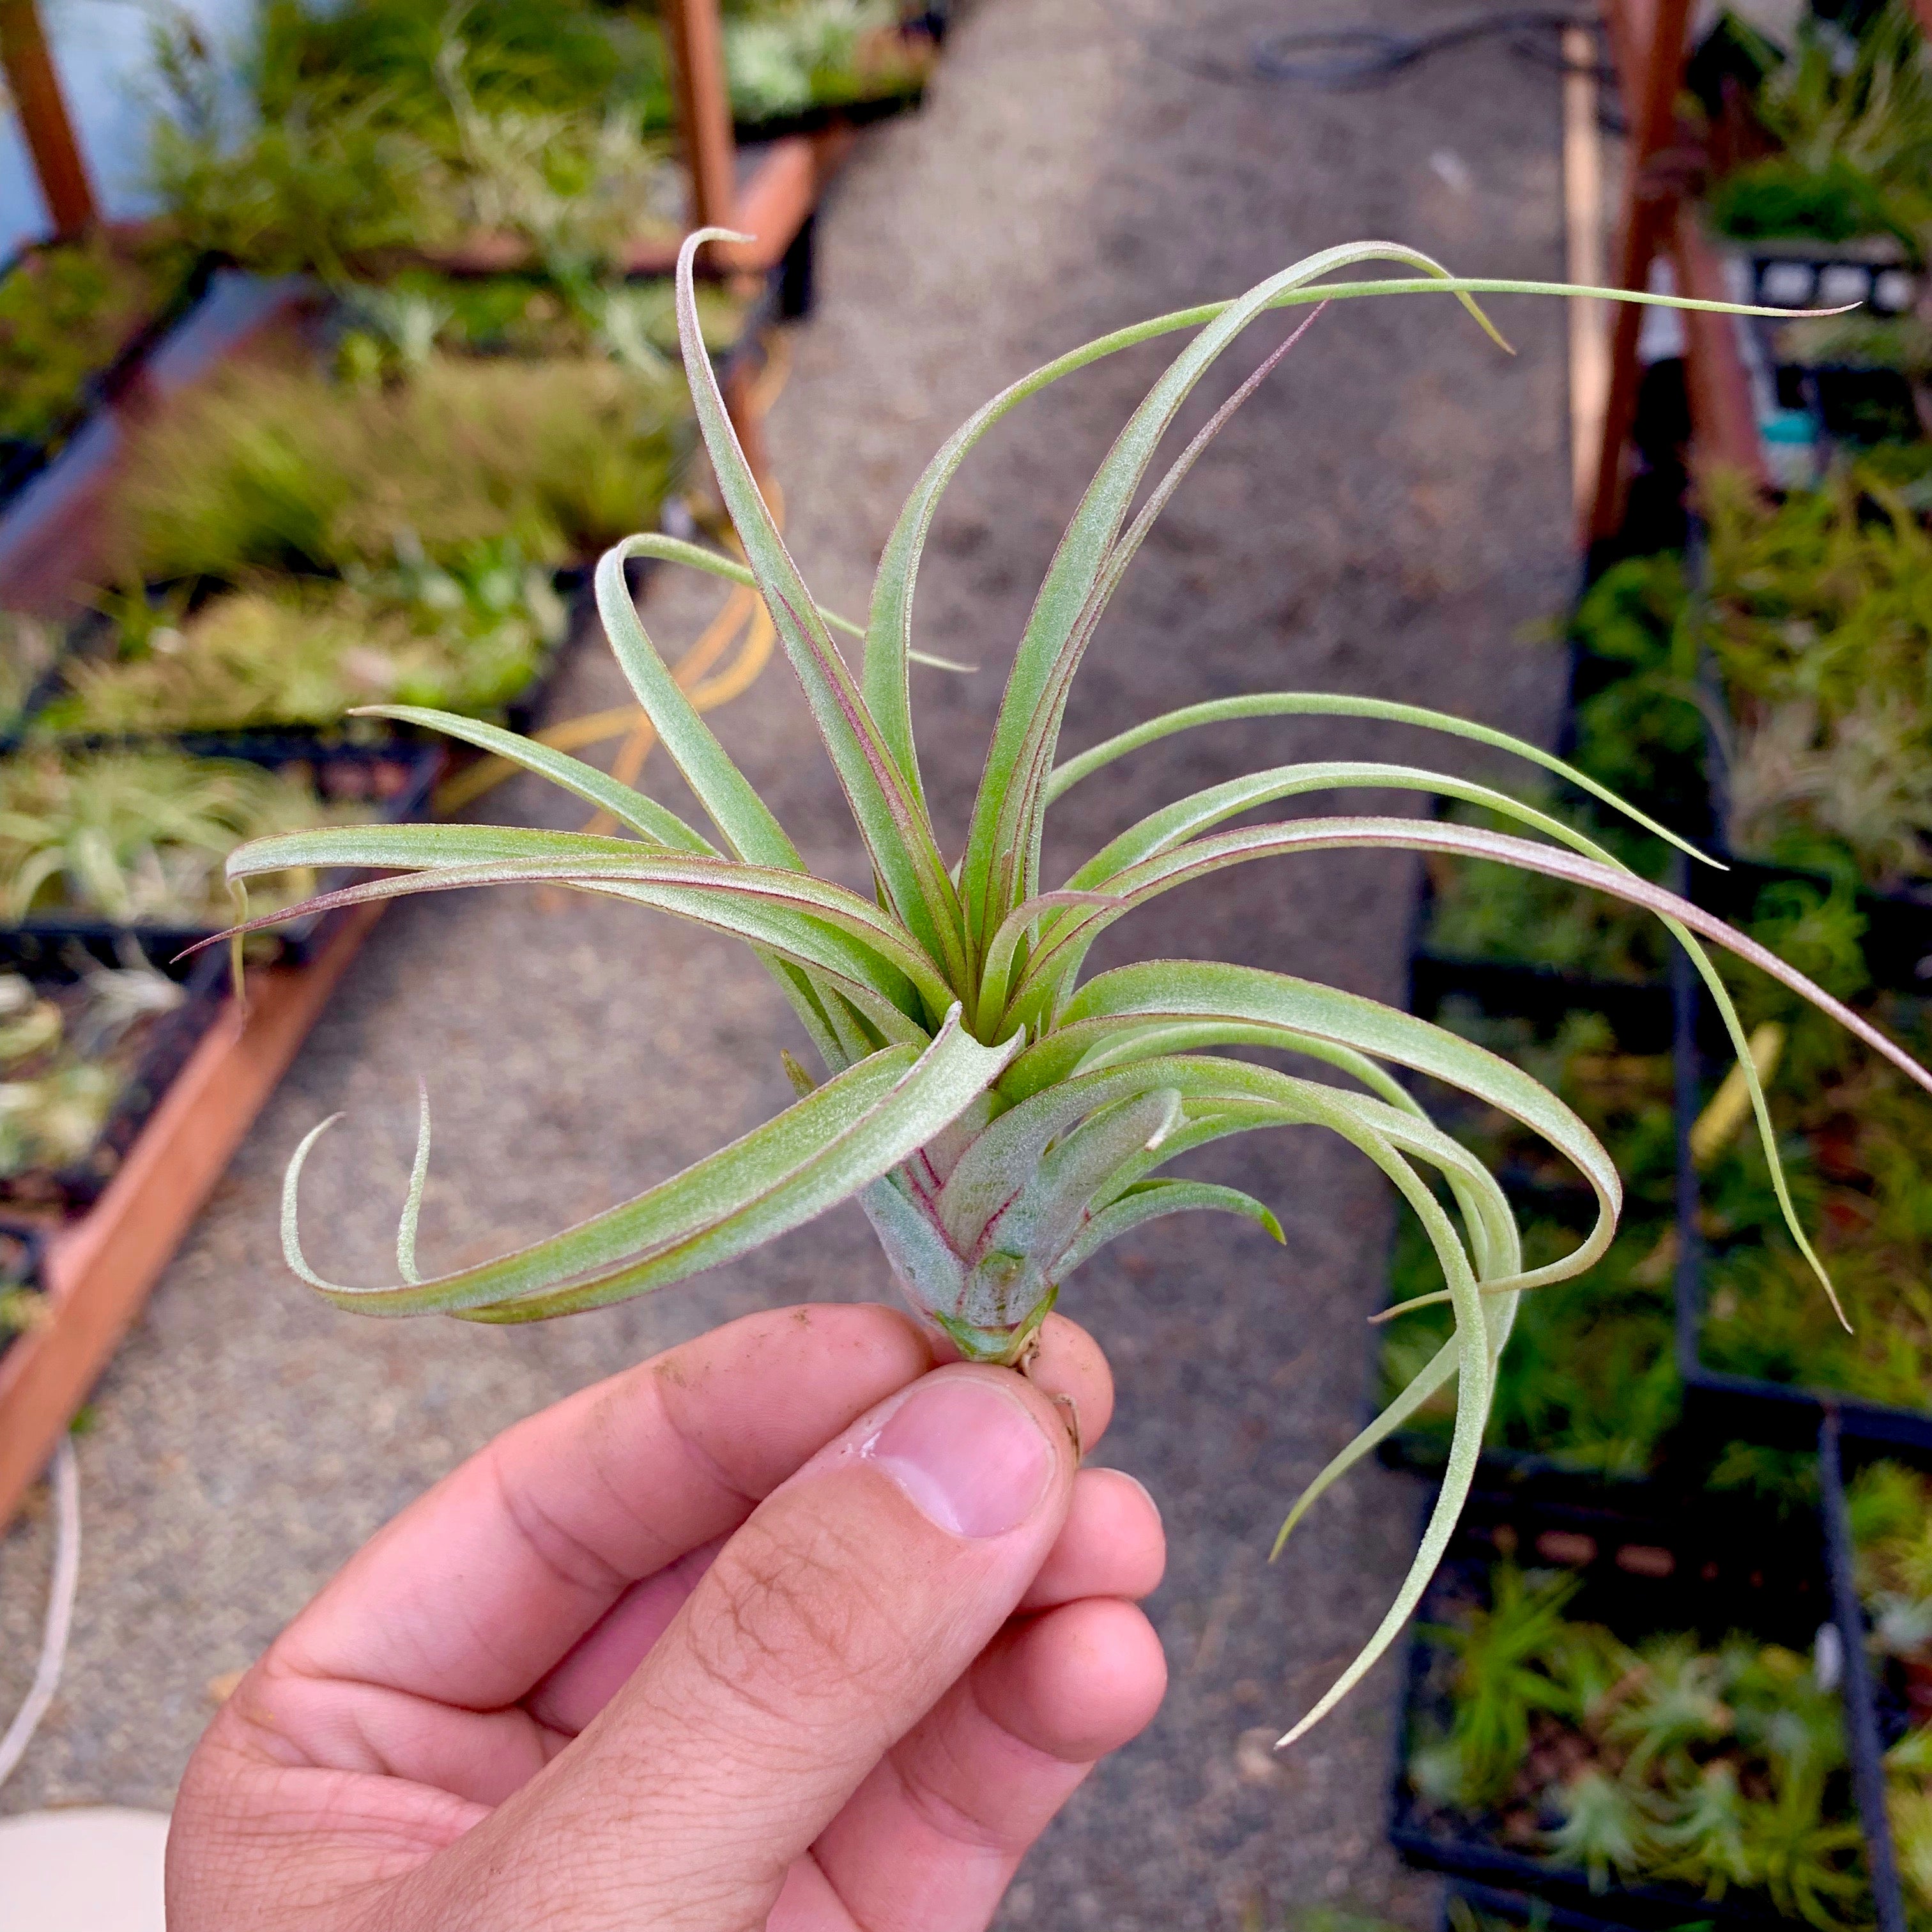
point(704, 101)
point(1651, 67)
point(36, 89)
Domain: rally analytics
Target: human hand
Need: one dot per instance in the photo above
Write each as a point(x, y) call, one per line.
point(784, 1627)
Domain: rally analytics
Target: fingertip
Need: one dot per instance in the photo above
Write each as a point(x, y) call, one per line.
point(1076, 1683)
point(1069, 1363)
point(745, 1394)
point(1112, 1544)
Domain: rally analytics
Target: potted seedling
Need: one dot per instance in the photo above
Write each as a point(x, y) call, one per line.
point(1638, 1721)
point(1000, 1120)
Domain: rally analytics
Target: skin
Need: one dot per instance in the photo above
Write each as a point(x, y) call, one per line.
point(691, 1649)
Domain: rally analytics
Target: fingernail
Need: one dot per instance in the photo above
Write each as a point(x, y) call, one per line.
point(972, 1458)
point(1145, 1491)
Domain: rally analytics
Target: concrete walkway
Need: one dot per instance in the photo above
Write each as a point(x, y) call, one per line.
point(1387, 516)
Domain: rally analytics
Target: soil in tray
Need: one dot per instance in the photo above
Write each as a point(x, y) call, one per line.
point(70, 312)
point(83, 1060)
point(1856, 1139)
point(1890, 1511)
point(1674, 1756)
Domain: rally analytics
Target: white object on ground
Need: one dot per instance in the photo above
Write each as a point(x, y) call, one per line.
point(65, 1477)
point(97, 1868)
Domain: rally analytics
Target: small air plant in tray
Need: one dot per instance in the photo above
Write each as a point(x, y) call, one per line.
point(1636, 1717)
point(86, 1053)
point(998, 1120)
point(110, 851)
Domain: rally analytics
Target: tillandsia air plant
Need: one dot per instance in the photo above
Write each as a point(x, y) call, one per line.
point(999, 1121)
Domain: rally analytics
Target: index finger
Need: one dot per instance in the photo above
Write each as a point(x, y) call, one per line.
point(479, 1589)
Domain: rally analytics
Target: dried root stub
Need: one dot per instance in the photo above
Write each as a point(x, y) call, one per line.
point(999, 1118)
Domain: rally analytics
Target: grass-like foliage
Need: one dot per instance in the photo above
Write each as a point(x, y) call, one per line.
point(470, 637)
point(138, 837)
point(998, 1119)
point(66, 311)
point(266, 469)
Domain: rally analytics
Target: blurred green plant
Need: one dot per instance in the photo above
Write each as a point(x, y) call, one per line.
point(383, 127)
point(468, 637)
point(262, 469)
point(67, 309)
point(134, 837)
point(1724, 1770)
point(1853, 115)
point(67, 1053)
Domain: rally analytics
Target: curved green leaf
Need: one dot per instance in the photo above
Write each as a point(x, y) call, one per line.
point(1021, 805)
point(791, 915)
point(1323, 704)
point(1140, 883)
point(825, 1146)
point(1151, 1201)
point(992, 875)
point(643, 815)
point(744, 821)
point(1175, 824)
point(891, 815)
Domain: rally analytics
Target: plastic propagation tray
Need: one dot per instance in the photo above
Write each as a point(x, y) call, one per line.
point(1641, 1012)
point(167, 1041)
point(1713, 1570)
point(21, 462)
point(1719, 1404)
point(91, 637)
point(397, 779)
point(19, 1268)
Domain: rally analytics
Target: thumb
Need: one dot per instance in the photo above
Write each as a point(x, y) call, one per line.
point(853, 1598)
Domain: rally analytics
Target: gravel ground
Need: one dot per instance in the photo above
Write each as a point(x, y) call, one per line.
point(1387, 516)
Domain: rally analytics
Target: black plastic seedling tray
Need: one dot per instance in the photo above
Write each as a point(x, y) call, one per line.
point(91, 636)
point(1712, 1569)
point(1642, 1014)
point(170, 1039)
point(398, 777)
point(1519, 1908)
point(21, 460)
point(1864, 1713)
point(1720, 1405)
point(20, 1258)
